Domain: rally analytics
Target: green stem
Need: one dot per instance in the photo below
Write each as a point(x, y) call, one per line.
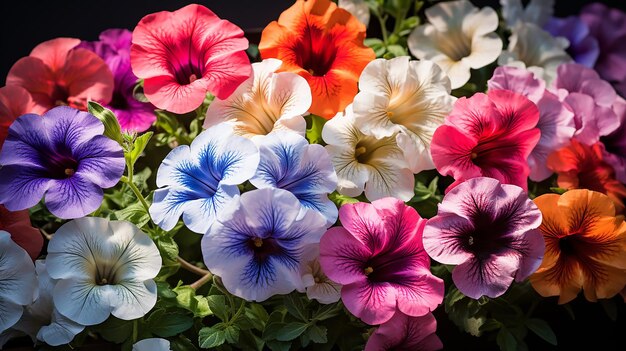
point(239, 311)
point(383, 28)
point(200, 282)
point(135, 330)
point(137, 193)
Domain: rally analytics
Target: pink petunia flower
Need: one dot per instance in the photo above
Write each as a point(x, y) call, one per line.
point(487, 135)
point(56, 73)
point(406, 333)
point(185, 54)
point(379, 259)
point(556, 121)
point(14, 102)
point(489, 230)
point(614, 152)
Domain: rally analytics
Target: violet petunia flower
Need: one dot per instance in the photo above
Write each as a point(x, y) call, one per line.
point(489, 230)
point(379, 259)
point(114, 48)
point(583, 47)
point(62, 155)
point(256, 244)
point(403, 332)
point(289, 162)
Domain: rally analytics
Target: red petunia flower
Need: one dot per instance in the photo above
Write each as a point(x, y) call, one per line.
point(323, 44)
point(14, 102)
point(580, 166)
point(184, 54)
point(22, 233)
point(57, 74)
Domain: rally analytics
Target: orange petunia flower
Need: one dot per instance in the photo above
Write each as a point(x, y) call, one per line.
point(585, 246)
point(323, 44)
point(580, 166)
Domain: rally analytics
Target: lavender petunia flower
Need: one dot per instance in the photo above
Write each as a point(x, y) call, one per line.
point(583, 47)
point(490, 231)
point(62, 155)
point(614, 152)
point(289, 162)
point(256, 245)
point(114, 48)
point(199, 180)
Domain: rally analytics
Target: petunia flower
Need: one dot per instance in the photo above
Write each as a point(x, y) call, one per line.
point(289, 162)
point(487, 135)
point(556, 121)
point(580, 166)
point(103, 268)
point(14, 102)
point(585, 247)
point(256, 244)
point(458, 37)
point(197, 181)
point(615, 143)
point(152, 344)
point(185, 54)
point(41, 321)
point(323, 44)
point(489, 231)
point(537, 12)
point(590, 98)
point(363, 162)
point(22, 232)
point(318, 286)
point(18, 283)
point(583, 47)
point(408, 99)
point(608, 26)
point(358, 8)
point(114, 48)
point(56, 73)
point(267, 101)
point(62, 155)
point(378, 257)
point(403, 332)
point(533, 48)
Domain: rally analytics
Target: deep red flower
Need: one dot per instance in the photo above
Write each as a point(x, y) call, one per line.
point(18, 225)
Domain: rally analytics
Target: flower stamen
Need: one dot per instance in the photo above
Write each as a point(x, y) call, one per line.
point(258, 242)
point(368, 270)
point(69, 172)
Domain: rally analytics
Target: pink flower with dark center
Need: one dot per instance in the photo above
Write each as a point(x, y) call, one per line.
point(14, 102)
point(185, 54)
point(379, 259)
point(406, 333)
point(488, 135)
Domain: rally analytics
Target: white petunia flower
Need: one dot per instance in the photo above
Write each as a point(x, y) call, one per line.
point(318, 286)
point(459, 37)
point(358, 9)
point(18, 283)
point(364, 162)
point(534, 49)
point(152, 344)
point(103, 267)
point(265, 102)
point(408, 99)
point(537, 12)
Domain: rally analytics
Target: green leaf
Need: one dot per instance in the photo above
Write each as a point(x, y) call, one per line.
point(490, 324)
point(211, 337)
point(217, 304)
point(340, 200)
point(112, 128)
point(135, 213)
point(295, 307)
point(182, 343)
point(558, 190)
point(396, 50)
point(315, 124)
point(168, 247)
point(272, 329)
point(138, 92)
point(138, 146)
point(249, 341)
point(232, 334)
point(542, 329)
point(326, 312)
point(291, 331)
point(186, 297)
point(452, 297)
point(166, 324)
point(115, 330)
point(506, 341)
point(257, 315)
point(317, 334)
point(410, 22)
point(253, 51)
point(276, 345)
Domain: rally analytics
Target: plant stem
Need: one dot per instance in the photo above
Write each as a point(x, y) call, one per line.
point(135, 331)
point(137, 193)
point(200, 282)
point(383, 28)
point(191, 268)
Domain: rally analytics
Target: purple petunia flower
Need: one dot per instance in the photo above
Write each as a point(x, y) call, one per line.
point(63, 155)
point(114, 49)
point(614, 152)
point(490, 231)
point(583, 47)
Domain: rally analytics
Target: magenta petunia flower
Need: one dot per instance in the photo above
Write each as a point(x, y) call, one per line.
point(590, 98)
point(556, 121)
point(114, 48)
point(63, 155)
point(489, 230)
point(487, 135)
point(184, 54)
point(379, 259)
point(403, 332)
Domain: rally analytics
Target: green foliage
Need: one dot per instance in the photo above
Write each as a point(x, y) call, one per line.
point(166, 324)
point(112, 127)
point(314, 126)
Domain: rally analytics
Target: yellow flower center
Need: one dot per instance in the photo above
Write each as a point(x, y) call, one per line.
point(258, 242)
point(368, 270)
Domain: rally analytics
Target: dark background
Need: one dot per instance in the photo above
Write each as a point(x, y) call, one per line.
point(26, 23)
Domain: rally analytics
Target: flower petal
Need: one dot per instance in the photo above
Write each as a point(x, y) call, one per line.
point(372, 303)
point(83, 301)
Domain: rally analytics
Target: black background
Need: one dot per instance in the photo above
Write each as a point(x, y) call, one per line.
point(26, 23)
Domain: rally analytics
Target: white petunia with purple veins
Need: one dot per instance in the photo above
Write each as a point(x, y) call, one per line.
point(256, 245)
point(289, 162)
point(199, 180)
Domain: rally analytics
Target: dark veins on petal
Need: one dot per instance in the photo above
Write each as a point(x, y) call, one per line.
point(315, 51)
